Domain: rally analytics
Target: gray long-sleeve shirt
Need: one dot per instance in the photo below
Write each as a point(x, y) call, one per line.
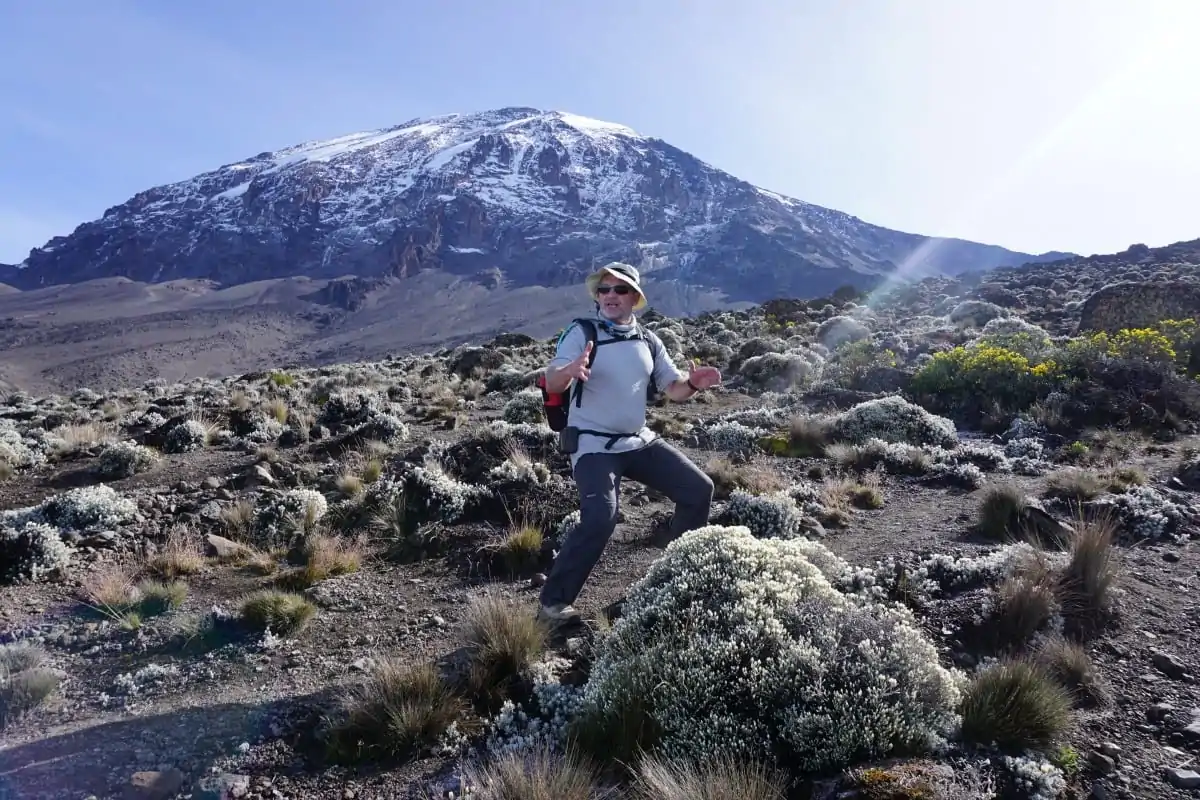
point(614, 396)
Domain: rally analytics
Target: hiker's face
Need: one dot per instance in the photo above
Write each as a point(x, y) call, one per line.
point(614, 306)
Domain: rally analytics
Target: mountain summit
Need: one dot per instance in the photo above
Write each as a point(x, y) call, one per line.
point(515, 196)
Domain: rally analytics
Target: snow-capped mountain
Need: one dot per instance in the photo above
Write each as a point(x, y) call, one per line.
point(540, 196)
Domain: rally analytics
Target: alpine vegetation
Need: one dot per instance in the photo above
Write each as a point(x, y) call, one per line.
point(946, 542)
point(741, 646)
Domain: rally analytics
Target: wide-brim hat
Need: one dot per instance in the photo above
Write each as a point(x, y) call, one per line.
point(622, 272)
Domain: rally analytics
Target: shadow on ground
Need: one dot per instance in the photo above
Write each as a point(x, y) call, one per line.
point(100, 760)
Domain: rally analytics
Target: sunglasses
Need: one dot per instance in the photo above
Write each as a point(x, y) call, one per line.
point(619, 289)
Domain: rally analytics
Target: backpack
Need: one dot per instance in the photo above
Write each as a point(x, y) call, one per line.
point(555, 404)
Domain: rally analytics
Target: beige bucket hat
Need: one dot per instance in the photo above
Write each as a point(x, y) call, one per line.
point(622, 272)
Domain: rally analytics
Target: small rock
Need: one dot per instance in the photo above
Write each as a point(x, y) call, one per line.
point(1159, 712)
point(1168, 665)
point(1111, 750)
point(1102, 763)
point(102, 539)
point(155, 784)
point(1170, 556)
point(1183, 778)
point(211, 483)
point(539, 579)
point(226, 786)
point(221, 547)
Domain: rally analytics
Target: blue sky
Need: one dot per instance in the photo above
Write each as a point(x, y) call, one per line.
point(1069, 125)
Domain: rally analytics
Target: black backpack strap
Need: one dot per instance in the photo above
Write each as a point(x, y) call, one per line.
point(589, 332)
point(653, 343)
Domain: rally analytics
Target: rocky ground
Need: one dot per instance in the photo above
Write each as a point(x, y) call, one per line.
point(209, 589)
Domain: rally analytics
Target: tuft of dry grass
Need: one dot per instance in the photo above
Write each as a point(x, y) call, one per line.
point(537, 774)
point(350, 485)
point(324, 557)
point(284, 613)
point(808, 435)
point(81, 436)
point(24, 683)
point(1025, 604)
point(843, 494)
point(522, 548)
point(372, 470)
point(180, 555)
point(1015, 705)
point(1072, 667)
point(618, 732)
point(1086, 583)
point(396, 712)
point(727, 477)
point(1001, 512)
point(113, 593)
point(238, 519)
point(278, 409)
point(725, 779)
point(502, 639)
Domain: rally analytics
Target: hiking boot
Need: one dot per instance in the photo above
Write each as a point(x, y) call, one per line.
point(613, 611)
point(563, 612)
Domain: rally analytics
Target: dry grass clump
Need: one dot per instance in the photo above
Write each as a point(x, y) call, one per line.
point(284, 613)
point(277, 408)
point(1015, 705)
point(808, 436)
point(238, 519)
point(537, 774)
point(372, 470)
point(81, 436)
point(921, 780)
point(394, 714)
point(1072, 667)
point(522, 548)
point(728, 477)
point(180, 555)
point(1001, 512)
point(1086, 582)
point(1025, 604)
point(846, 493)
point(350, 485)
point(502, 639)
point(324, 557)
point(726, 779)
point(1079, 485)
point(617, 734)
point(114, 593)
point(24, 683)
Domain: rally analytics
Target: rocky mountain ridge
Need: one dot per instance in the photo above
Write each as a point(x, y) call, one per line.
point(514, 196)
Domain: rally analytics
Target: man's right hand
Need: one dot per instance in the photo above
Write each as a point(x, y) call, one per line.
point(559, 379)
point(578, 369)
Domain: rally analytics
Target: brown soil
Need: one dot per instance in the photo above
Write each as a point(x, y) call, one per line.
point(249, 710)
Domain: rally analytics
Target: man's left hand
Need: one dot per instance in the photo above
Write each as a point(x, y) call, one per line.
point(704, 377)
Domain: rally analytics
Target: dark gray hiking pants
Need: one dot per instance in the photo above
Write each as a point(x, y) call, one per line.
point(659, 466)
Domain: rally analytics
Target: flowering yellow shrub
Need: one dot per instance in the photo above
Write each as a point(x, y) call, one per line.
point(1135, 343)
point(1170, 341)
point(976, 375)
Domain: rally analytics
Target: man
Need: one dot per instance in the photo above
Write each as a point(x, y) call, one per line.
point(613, 439)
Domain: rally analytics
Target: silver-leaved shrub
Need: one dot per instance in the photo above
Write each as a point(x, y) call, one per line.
point(894, 419)
point(742, 647)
